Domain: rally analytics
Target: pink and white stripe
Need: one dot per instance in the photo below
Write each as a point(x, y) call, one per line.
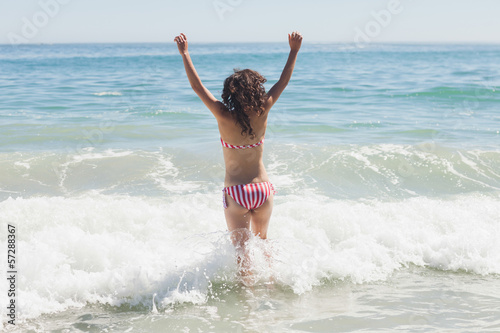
point(227, 145)
point(250, 196)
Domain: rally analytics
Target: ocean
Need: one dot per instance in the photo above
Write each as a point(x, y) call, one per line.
point(386, 160)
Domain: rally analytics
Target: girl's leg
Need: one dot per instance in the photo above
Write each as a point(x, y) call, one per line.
point(260, 223)
point(261, 217)
point(238, 223)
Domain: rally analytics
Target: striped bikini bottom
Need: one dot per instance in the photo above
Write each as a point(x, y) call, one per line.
point(250, 196)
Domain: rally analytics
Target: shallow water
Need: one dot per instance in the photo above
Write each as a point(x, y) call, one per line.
point(416, 300)
point(386, 161)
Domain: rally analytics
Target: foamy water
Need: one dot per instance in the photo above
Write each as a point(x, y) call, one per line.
point(122, 250)
point(386, 217)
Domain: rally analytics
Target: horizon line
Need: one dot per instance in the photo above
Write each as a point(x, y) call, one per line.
point(272, 42)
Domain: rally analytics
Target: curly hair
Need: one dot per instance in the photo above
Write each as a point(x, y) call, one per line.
point(243, 94)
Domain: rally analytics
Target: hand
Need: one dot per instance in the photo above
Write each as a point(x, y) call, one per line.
point(295, 40)
point(182, 43)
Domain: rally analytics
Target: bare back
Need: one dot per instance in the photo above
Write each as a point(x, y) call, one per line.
point(243, 166)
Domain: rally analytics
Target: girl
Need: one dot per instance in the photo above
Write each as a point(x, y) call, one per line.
point(242, 120)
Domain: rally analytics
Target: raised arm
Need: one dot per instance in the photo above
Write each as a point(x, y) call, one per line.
point(203, 93)
point(295, 41)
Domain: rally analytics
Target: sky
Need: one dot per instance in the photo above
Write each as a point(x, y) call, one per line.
point(84, 21)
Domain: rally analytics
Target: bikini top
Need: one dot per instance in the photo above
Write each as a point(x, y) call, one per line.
point(227, 145)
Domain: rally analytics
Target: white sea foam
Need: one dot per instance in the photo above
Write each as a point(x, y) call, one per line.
point(22, 164)
point(121, 249)
point(108, 93)
point(342, 172)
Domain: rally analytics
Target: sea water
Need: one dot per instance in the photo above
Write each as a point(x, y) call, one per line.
point(386, 160)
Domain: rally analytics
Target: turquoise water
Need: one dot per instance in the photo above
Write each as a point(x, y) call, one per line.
point(392, 94)
point(386, 160)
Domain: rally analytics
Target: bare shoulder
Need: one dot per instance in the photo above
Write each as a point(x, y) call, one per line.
point(221, 112)
point(268, 105)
